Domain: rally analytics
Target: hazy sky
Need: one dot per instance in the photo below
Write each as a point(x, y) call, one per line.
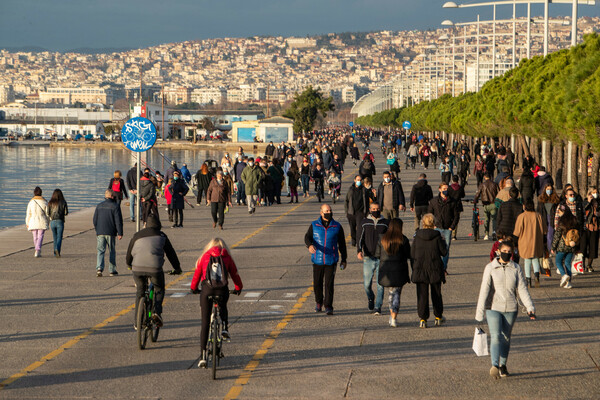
point(68, 24)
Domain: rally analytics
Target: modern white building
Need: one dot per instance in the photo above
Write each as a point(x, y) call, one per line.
point(70, 95)
point(209, 95)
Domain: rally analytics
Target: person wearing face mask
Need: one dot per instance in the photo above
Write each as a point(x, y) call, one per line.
point(547, 203)
point(366, 169)
point(269, 150)
point(369, 252)
point(276, 174)
point(327, 158)
point(445, 211)
point(565, 243)
point(530, 229)
point(390, 197)
point(356, 206)
point(178, 191)
point(251, 177)
point(502, 279)
point(326, 243)
point(589, 239)
point(219, 196)
point(369, 156)
point(542, 180)
point(286, 167)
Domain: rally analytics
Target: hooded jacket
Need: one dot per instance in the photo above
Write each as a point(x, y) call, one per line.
point(393, 268)
point(148, 247)
point(445, 212)
point(202, 267)
point(397, 195)
point(369, 236)
point(36, 214)
point(421, 194)
point(427, 251)
point(178, 200)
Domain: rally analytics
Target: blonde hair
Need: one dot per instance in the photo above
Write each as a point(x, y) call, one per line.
point(216, 242)
point(428, 221)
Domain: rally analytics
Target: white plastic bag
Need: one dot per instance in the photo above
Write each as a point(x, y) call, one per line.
point(480, 344)
point(577, 264)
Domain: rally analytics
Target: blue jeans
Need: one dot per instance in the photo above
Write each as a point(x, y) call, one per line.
point(370, 269)
point(132, 199)
point(565, 258)
point(305, 183)
point(527, 262)
point(446, 234)
point(57, 226)
point(241, 194)
point(500, 324)
point(394, 299)
point(101, 242)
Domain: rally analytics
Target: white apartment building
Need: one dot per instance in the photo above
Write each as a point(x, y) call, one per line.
point(486, 73)
point(209, 95)
point(64, 95)
point(7, 94)
point(301, 43)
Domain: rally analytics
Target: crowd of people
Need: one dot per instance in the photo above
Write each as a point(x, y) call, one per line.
point(525, 218)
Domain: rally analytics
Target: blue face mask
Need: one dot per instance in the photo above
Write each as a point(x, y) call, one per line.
point(445, 192)
point(358, 183)
point(572, 199)
point(548, 192)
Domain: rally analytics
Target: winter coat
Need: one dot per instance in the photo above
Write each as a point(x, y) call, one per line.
point(186, 174)
point(499, 288)
point(148, 247)
point(147, 189)
point(542, 180)
point(354, 153)
point(487, 192)
point(507, 216)
point(445, 212)
point(579, 213)
point(36, 217)
point(203, 180)
point(122, 192)
point(559, 245)
point(369, 236)
point(108, 219)
point(218, 193)
point(393, 268)
point(457, 192)
point(349, 204)
point(131, 180)
point(366, 169)
point(421, 194)
point(57, 211)
point(427, 251)
point(178, 191)
point(327, 160)
point(238, 168)
point(202, 267)
point(294, 176)
point(592, 215)
point(251, 177)
point(269, 150)
point(276, 174)
point(548, 217)
point(397, 195)
point(168, 195)
point(530, 228)
point(527, 187)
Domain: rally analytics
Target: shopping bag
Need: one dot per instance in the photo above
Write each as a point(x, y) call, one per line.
point(577, 264)
point(480, 345)
point(546, 263)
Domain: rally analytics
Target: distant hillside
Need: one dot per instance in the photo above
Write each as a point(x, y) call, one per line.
point(80, 50)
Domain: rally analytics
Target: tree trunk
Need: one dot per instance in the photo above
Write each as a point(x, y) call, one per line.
point(595, 167)
point(565, 169)
point(557, 164)
point(574, 166)
point(548, 156)
point(524, 146)
point(517, 151)
point(583, 174)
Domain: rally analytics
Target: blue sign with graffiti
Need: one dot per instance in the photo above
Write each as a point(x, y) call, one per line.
point(138, 134)
point(406, 125)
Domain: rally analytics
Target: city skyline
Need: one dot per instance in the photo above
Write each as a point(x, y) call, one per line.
point(139, 24)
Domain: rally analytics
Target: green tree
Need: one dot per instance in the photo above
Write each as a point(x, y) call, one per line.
point(306, 107)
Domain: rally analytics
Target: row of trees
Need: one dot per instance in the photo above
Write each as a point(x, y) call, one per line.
point(550, 103)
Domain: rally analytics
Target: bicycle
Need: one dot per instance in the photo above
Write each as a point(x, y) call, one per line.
point(475, 222)
point(334, 192)
point(146, 326)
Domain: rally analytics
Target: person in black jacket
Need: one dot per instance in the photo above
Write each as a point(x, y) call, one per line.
point(420, 195)
point(178, 190)
point(146, 257)
point(356, 205)
point(390, 196)
point(393, 265)
point(527, 186)
point(117, 185)
point(370, 230)
point(445, 211)
point(366, 168)
point(269, 149)
point(457, 192)
point(108, 223)
point(427, 251)
point(508, 213)
point(132, 185)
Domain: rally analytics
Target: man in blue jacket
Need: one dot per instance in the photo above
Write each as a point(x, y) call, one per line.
point(108, 222)
point(325, 240)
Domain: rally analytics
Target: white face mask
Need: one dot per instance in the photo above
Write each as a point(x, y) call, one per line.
point(595, 195)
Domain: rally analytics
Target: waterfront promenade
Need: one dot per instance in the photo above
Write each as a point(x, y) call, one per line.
point(68, 334)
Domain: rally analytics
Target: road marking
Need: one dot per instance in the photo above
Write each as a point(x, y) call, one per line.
point(288, 295)
point(180, 294)
point(253, 294)
point(267, 312)
point(124, 311)
point(262, 301)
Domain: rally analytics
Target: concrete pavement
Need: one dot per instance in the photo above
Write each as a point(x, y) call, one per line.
point(67, 334)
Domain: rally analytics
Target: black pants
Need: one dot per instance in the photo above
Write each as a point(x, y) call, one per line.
point(419, 212)
point(206, 309)
point(354, 220)
point(218, 212)
point(446, 177)
point(425, 160)
point(277, 192)
point(589, 245)
point(200, 191)
point(178, 216)
point(423, 300)
point(158, 280)
point(149, 207)
point(456, 229)
point(324, 275)
point(170, 212)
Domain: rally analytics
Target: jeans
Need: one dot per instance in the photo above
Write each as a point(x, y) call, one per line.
point(563, 262)
point(132, 202)
point(370, 269)
point(38, 238)
point(489, 211)
point(446, 234)
point(57, 226)
point(394, 299)
point(305, 183)
point(500, 324)
point(241, 194)
point(101, 242)
point(527, 262)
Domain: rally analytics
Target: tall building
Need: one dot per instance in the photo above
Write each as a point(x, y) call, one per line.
point(64, 95)
point(209, 95)
point(7, 94)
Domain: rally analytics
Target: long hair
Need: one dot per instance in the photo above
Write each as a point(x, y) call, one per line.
point(553, 198)
point(204, 169)
point(57, 198)
point(567, 221)
point(393, 238)
point(215, 242)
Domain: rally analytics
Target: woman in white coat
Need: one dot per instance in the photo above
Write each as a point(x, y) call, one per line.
point(37, 220)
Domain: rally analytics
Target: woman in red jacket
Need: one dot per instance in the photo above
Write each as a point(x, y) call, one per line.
point(213, 270)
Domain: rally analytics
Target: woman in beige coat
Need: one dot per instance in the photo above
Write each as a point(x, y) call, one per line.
point(531, 230)
point(36, 220)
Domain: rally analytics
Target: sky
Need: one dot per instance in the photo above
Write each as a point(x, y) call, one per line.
point(61, 25)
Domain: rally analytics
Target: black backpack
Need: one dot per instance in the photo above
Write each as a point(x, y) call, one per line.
point(216, 273)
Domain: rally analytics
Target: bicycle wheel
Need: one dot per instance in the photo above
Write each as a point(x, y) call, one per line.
point(155, 330)
point(141, 319)
point(215, 350)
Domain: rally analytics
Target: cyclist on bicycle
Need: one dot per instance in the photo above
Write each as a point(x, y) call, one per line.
point(334, 182)
point(146, 257)
point(216, 255)
point(318, 176)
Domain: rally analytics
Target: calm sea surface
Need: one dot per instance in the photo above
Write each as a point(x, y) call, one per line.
point(81, 173)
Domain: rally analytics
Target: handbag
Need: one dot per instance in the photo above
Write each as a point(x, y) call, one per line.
point(577, 264)
point(480, 344)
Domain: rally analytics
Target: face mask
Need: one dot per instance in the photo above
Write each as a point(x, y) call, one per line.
point(358, 183)
point(572, 199)
point(324, 151)
point(367, 186)
point(548, 192)
point(376, 214)
point(368, 152)
point(505, 256)
point(226, 172)
point(251, 164)
point(387, 180)
point(219, 181)
point(175, 177)
point(327, 216)
point(595, 195)
point(445, 192)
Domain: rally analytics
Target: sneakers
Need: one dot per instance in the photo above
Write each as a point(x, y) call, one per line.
point(318, 307)
point(440, 321)
point(377, 311)
point(503, 372)
point(486, 237)
point(202, 362)
point(114, 273)
point(98, 273)
point(495, 372)
point(564, 280)
point(56, 254)
point(393, 322)
point(157, 320)
point(225, 334)
point(37, 254)
point(371, 305)
point(423, 324)
point(568, 285)
point(329, 311)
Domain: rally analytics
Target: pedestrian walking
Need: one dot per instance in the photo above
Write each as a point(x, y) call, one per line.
point(445, 212)
point(427, 251)
point(186, 174)
point(203, 177)
point(547, 203)
point(487, 192)
point(251, 177)
point(589, 239)
point(171, 170)
point(132, 185)
point(412, 153)
point(565, 243)
point(148, 197)
point(219, 197)
point(530, 229)
point(420, 195)
point(367, 168)
point(356, 206)
point(527, 185)
point(305, 176)
point(37, 220)
point(293, 175)
point(508, 213)
point(502, 279)
point(369, 232)
point(355, 154)
point(457, 192)
point(276, 174)
point(56, 210)
point(326, 243)
point(117, 185)
point(178, 191)
point(390, 197)
point(393, 265)
point(169, 199)
point(479, 169)
point(446, 170)
point(238, 168)
point(108, 223)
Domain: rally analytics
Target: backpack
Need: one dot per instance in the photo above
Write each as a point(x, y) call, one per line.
point(571, 236)
point(216, 273)
point(116, 186)
point(426, 152)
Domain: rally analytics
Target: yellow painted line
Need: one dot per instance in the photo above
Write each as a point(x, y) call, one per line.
point(95, 328)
